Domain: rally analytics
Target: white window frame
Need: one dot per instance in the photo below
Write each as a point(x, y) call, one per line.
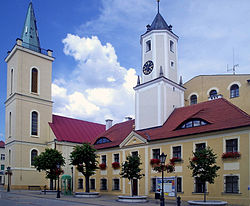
point(151, 155)
point(146, 45)
point(38, 125)
point(224, 183)
point(171, 150)
point(230, 138)
point(38, 80)
point(113, 184)
point(30, 154)
point(114, 157)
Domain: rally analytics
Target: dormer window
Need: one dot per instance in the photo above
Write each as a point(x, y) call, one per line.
point(148, 45)
point(102, 140)
point(192, 123)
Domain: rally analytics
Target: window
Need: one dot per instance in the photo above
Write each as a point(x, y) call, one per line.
point(2, 156)
point(34, 82)
point(153, 184)
point(156, 153)
point(179, 184)
point(134, 153)
point(192, 123)
point(116, 158)
point(2, 167)
point(9, 157)
point(102, 140)
point(34, 123)
point(234, 91)
point(148, 45)
point(199, 185)
point(193, 99)
point(92, 184)
point(10, 124)
point(104, 159)
point(232, 145)
point(200, 146)
point(171, 46)
point(103, 184)
point(34, 153)
point(213, 94)
point(172, 64)
point(80, 183)
point(116, 184)
point(232, 184)
point(11, 81)
point(177, 152)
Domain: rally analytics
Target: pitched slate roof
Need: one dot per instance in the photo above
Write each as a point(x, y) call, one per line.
point(2, 144)
point(74, 130)
point(159, 23)
point(116, 134)
point(219, 113)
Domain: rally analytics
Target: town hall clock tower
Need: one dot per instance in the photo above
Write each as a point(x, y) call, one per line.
point(158, 93)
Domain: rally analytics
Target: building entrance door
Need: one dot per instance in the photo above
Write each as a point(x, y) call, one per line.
point(135, 187)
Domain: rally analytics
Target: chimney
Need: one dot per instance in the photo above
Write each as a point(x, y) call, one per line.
point(108, 123)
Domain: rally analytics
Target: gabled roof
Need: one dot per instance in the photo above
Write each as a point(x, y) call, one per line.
point(74, 130)
point(219, 113)
point(116, 134)
point(30, 33)
point(2, 144)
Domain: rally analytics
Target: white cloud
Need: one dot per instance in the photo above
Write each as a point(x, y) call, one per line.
point(99, 87)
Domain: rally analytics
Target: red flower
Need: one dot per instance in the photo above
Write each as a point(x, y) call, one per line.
point(230, 155)
point(154, 162)
point(102, 166)
point(194, 159)
point(115, 165)
point(175, 159)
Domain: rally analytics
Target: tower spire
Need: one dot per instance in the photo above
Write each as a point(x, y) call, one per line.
point(158, 6)
point(30, 34)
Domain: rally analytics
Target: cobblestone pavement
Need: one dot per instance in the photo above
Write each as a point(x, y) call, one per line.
point(36, 198)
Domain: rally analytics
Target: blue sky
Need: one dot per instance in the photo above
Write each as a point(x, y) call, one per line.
point(97, 47)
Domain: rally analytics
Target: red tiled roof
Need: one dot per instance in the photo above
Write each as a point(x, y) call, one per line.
point(116, 134)
point(74, 130)
point(219, 113)
point(2, 144)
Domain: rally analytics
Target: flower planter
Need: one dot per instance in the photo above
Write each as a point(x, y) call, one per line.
point(231, 155)
point(116, 165)
point(102, 166)
point(175, 160)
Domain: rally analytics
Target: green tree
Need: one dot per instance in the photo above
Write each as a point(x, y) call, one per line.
point(203, 166)
point(84, 158)
point(131, 169)
point(47, 162)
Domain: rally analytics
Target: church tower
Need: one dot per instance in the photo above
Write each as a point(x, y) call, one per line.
point(158, 93)
point(28, 104)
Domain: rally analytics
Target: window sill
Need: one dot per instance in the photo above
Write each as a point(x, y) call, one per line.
point(234, 97)
point(228, 193)
point(199, 193)
point(183, 193)
point(34, 136)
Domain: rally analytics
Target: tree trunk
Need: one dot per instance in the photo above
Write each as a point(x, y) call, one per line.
point(87, 183)
point(51, 184)
point(132, 187)
point(55, 185)
point(204, 192)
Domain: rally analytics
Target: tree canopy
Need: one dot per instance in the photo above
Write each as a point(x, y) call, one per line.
point(47, 161)
point(84, 158)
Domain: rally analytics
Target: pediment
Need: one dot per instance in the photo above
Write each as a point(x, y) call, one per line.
point(133, 139)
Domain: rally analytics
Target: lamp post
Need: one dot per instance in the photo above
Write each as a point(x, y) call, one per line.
point(72, 178)
point(162, 158)
point(8, 173)
point(58, 170)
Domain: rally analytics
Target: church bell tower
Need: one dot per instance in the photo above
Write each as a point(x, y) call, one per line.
point(157, 92)
point(28, 107)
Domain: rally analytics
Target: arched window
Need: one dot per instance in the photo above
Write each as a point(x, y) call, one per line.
point(234, 91)
point(11, 81)
point(33, 154)
point(213, 93)
point(102, 140)
point(192, 123)
point(193, 99)
point(34, 80)
point(34, 123)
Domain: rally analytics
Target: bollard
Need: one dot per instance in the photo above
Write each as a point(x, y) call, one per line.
point(178, 201)
point(44, 190)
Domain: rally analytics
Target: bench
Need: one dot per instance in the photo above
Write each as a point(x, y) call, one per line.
point(34, 187)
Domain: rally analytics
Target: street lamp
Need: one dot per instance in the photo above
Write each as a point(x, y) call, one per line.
point(162, 158)
point(9, 173)
point(58, 170)
point(72, 178)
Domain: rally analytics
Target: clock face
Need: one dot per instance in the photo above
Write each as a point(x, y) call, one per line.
point(148, 67)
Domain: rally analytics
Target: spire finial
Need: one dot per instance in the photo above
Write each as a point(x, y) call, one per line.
point(158, 5)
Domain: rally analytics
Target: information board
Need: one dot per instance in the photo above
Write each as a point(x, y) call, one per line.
point(168, 185)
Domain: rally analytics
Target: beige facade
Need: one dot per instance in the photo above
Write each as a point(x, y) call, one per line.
point(2, 165)
point(202, 85)
point(217, 141)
